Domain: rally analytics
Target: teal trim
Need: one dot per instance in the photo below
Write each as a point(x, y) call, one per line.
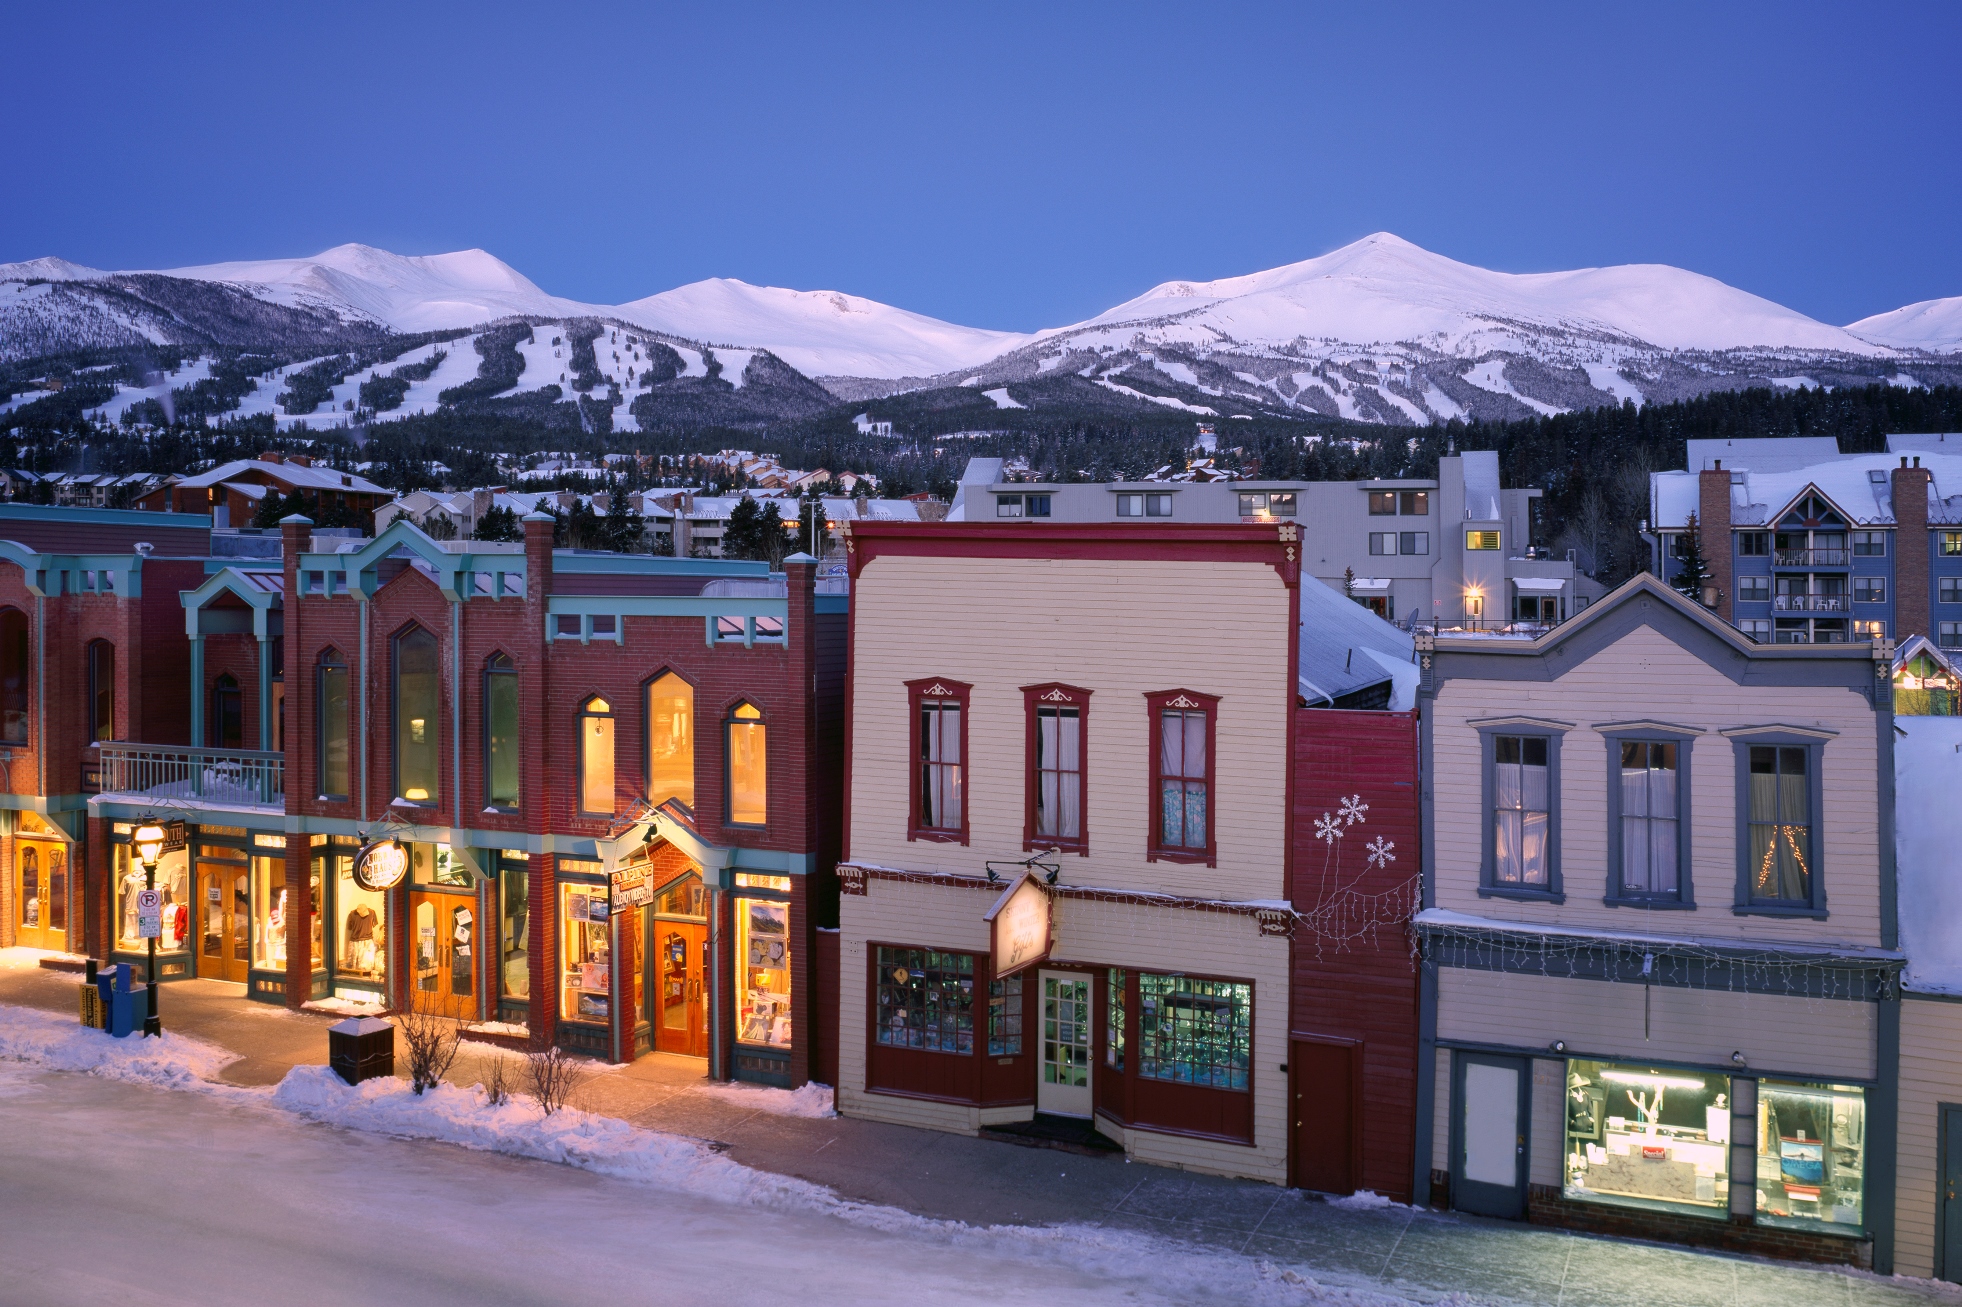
point(47, 805)
point(18, 512)
point(567, 563)
point(253, 819)
point(212, 566)
point(832, 603)
point(669, 605)
point(55, 574)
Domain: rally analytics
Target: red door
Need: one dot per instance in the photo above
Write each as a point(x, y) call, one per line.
point(1323, 1126)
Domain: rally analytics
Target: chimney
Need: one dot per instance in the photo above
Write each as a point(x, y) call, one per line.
point(1713, 534)
point(272, 456)
point(1911, 560)
point(303, 460)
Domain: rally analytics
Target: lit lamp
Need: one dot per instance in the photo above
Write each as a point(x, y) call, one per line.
point(1474, 602)
point(149, 841)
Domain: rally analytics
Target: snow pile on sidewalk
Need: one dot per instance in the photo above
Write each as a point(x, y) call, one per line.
point(812, 1100)
point(20, 957)
point(519, 1128)
point(63, 1043)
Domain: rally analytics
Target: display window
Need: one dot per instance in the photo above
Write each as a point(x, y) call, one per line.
point(1114, 1025)
point(1812, 1155)
point(1005, 1017)
point(361, 920)
point(763, 989)
point(514, 933)
point(586, 953)
point(173, 881)
point(269, 913)
point(434, 864)
point(925, 999)
point(1648, 1136)
point(687, 898)
point(1195, 1032)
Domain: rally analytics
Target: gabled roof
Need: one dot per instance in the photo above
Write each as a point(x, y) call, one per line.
point(292, 474)
point(264, 593)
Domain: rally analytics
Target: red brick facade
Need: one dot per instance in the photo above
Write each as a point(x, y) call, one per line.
point(1713, 535)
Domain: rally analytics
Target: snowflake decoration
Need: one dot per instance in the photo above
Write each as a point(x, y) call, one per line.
point(1328, 828)
point(1353, 809)
point(1379, 852)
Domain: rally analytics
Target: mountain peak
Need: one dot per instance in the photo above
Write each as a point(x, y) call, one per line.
point(49, 268)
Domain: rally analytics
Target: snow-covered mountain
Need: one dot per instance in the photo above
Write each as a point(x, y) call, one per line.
point(1933, 325)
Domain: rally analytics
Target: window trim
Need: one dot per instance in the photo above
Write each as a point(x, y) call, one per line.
point(490, 669)
point(937, 687)
point(1052, 694)
point(1187, 700)
point(1814, 743)
point(330, 657)
point(395, 786)
point(1684, 738)
point(586, 711)
point(730, 719)
point(1555, 734)
point(646, 691)
point(29, 651)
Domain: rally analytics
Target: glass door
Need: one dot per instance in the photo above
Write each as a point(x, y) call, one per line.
point(677, 1007)
point(224, 922)
point(41, 895)
point(441, 939)
point(1064, 1088)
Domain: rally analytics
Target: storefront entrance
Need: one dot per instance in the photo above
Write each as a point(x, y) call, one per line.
point(1064, 1087)
point(1488, 1135)
point(1325, 1078)
point(41, 894)
point(224, 921)
point(443, 926)
point(675, 1006)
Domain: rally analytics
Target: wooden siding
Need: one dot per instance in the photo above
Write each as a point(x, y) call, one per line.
point(1647, 676)
point(1931, 1074)
point(1804, 1038)
point(1120, 628)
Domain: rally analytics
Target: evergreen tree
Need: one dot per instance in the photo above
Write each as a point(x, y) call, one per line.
point(812, 535)
point(272, 508)
point(743, 537)
point(498, 523)
point(1692, 569)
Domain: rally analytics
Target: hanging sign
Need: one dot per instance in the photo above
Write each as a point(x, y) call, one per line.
point(633, 885)
point(149, 913)
point(1020, 926)
point(381, 865)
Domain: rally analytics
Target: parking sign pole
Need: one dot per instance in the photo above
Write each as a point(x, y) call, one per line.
point(151, 1024)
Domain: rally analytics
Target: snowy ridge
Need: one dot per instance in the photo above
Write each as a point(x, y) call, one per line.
point(1932, 325)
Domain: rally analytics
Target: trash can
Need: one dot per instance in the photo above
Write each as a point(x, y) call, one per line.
point(361, 1048)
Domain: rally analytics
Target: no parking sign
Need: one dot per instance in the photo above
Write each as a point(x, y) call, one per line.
point(149, 913)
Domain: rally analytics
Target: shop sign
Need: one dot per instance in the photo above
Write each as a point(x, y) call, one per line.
point(381, 865)
point(1020, 926)
point(633, 886)
point(149, 913)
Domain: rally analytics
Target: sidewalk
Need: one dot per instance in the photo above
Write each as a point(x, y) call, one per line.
point(1419, 1254)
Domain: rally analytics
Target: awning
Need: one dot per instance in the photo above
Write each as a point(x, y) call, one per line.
point(1370, 585)
point(1539, 585)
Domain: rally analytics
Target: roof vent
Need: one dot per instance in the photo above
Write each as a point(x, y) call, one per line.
point(144, 547)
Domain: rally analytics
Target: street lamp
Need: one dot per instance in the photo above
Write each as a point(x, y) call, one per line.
point(149, 841)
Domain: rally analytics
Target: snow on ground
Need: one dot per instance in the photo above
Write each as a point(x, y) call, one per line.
point(1795, 383)
point(1491, 375)
point(1002, 398)
point(1905, 382)
point(1167, 400)
point(1927, 768)
point(1605, 376)
point(127, 396)
point(1402, 405)
point(65, 1044)
point(734, 363)
point(1442, 404)
point(809, 1100)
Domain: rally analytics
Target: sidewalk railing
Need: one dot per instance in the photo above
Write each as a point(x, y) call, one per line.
point(249, 777)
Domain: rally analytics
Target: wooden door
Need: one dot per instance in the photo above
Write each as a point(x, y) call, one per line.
point(1063, 1079)
point(41, 895)
point(1948, 1198)
point(442, 932)
point(1488, 1134)
point(1324, 1125)
point(676, 1006)
point(224, 927)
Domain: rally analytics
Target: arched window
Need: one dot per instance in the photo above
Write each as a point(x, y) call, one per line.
point(14, 674)
point(331, 672)
point(596, 756)
point(748, 766)
point(670, 740)
point(102, 690)
point(418, 716)
point(500, 732)
point(227, 728)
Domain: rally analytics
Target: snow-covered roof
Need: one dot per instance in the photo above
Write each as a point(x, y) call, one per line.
point(1481, 469)
point(1859, 485)
point(293, 474)
point(1345, 648)
point(1927, 830)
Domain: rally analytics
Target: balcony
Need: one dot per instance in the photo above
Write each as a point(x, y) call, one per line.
point(1811, 604)
point(212, 778)
point(1811, 558)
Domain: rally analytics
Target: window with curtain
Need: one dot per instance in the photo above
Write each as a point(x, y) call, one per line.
point(332, 675)
point(1059, 773)
point(941, 783)
point(748, 759)
point(671, 740)
point(226, 729)
point(1780, 824)
point(500, 732)
point(1182, 797)
point(1649, 817)
point(1520, 794)
point(15, 676)
point(418, 716)
point(596, 757)
point(102, 690)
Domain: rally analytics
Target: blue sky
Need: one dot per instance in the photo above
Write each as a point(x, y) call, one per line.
point(1004, 166)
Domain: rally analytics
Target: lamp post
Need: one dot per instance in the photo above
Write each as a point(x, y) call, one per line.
point(149, 841)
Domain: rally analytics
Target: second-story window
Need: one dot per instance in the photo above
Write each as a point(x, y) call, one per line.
point(937, 739)
point(102, 690)
point(331, 672)
point(748, 766)
point(1520, 811)
point(1182, 767)
point(15, 674)
point(1056, 756)
point(418, 720)
point(1754, 544)
point(671, 740)
point(1649, 818)
point(501, 732)
point(1780, 825)
point(596, 757)
point(1869, 544)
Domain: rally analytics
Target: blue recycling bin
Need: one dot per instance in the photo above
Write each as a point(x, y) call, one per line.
point(124, 1006)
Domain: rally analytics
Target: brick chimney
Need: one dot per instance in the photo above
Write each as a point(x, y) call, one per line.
point(536, 765)
point(1912, 615)
point(295, 538)
point(1713, 534)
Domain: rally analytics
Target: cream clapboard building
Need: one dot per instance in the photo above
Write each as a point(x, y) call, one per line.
point(1661, 967)
point(1111, 706)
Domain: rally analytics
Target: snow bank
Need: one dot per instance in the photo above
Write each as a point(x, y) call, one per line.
point(1927, 831)
point(61, 1042)
point(810, 1100)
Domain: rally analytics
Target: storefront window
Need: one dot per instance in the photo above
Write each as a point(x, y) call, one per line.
point(1812, 1155)
point(926, 999)
point(1005, 1017)
point(1114, 1023)
point(435, 864)
point(363, 924)
point(584, 911)
point(685, 898)
point(515, 925)
point(269, 913)
point(1195, 1032)
point(173, 881)
point(1648, 1137)
point(763, 996)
